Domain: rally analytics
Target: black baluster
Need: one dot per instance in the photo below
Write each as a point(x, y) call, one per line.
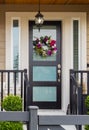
point(14, 83)
point(8, 82)
point(21, 84)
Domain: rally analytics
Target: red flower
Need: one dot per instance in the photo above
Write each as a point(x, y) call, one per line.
point(45, 39)
point(52, 43)
point(54, 49)
point(37, 40)
point(39, 45)
point(49, 52)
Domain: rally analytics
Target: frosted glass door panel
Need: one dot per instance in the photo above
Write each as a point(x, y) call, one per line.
point(44, 73)
point(44, 93)
point(49, 31)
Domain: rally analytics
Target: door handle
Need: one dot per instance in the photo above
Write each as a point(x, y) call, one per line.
point(59, 66)
point(59, 72)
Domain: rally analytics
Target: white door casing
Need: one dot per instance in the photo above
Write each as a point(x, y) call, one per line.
point(67, 42)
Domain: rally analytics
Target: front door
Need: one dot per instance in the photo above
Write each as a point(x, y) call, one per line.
point(45, 65)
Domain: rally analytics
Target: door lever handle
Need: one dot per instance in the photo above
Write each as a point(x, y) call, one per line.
point(59, 66)
point(59, 71)
point(59, 74)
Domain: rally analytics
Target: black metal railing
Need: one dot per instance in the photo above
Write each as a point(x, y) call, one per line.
point(75, 95)
point(82, 79)
point(26, 91)
point(12, 82)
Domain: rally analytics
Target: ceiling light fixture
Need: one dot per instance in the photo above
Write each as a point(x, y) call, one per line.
point(39, 20)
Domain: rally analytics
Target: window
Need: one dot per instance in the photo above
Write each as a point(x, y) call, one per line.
point(75, 44)
point(15, 44)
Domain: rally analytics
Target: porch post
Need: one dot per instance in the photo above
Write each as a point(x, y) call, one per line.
point(33, 118)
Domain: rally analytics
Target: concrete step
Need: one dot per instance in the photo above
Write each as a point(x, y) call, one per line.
point(24, 127)
point(56, 112)
point(68, 127)
point(63, 127)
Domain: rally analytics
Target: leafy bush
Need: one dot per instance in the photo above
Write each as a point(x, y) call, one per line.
point(12, 103)
point(87, 103)
point(86, 127)
point(11, 126)
point(87, 106)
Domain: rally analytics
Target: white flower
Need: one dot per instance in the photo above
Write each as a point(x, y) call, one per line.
point(54, 51)
point(54, 45)
point(45, 47)
point(47, 42)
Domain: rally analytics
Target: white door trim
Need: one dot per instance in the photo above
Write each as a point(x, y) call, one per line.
point(67, 43)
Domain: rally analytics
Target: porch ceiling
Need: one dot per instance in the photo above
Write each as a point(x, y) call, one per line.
point(44, 2)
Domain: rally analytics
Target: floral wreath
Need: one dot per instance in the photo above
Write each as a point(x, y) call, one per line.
point(45, 46)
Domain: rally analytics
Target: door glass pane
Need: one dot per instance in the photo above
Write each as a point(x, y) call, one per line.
point(44, 93)
point(44, 73)
point(44, 43)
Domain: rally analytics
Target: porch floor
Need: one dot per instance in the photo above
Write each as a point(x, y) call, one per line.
point(51, 112)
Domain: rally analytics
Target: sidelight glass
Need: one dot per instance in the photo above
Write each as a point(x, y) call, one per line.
point(15, 45)
point(15, 41)
point(75, 44)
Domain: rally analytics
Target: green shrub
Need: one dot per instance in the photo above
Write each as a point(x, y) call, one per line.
point(11, 126)
point(12, 103)
point(87, 103)
point(87, 106)
point(86, 127)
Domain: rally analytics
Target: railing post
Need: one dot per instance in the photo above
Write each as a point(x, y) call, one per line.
point(33, 118)
point(79, 101)
point(71, 91)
